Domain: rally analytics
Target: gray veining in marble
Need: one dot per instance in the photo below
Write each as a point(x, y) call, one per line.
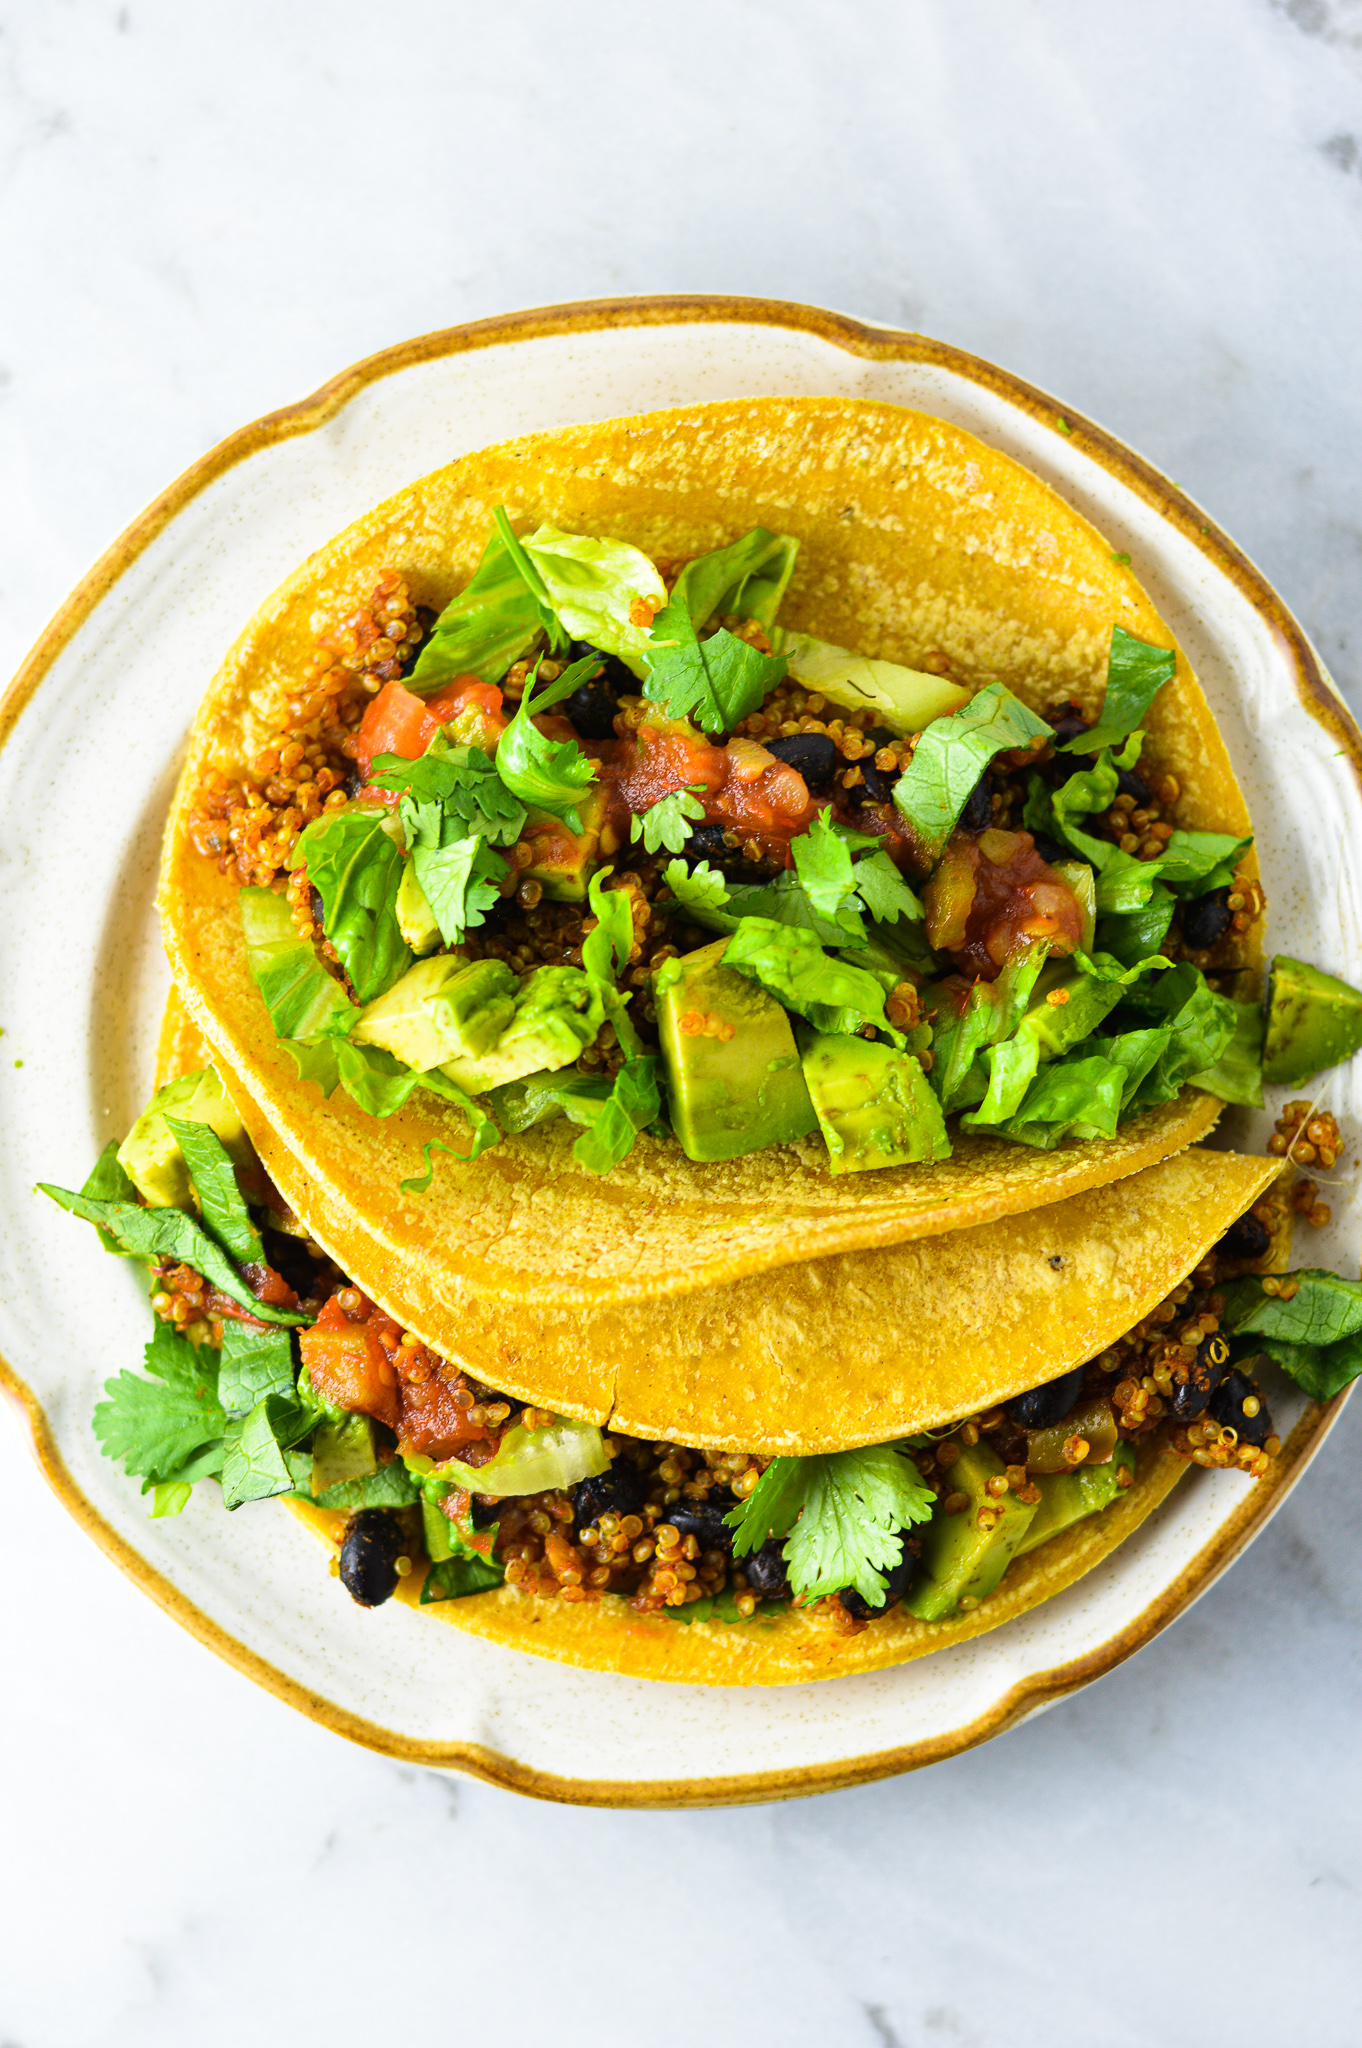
point(1156, 212)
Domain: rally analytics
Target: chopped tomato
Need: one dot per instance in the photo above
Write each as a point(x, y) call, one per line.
point(400, 722)
point(741, 785)
point(432, 1422)
point(349, 1366)
point(991, 895)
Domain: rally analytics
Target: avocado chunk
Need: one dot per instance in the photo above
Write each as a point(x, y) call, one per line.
point(875, 1106)
point(1068, 1497)
point(557, 1015)
point(564, 861)
point(965, 1555)
point(1314, 1021)
point(733, 1070)
point(415, 918)
point(342, 1450)
point(151, 1158)
point(443, 1008)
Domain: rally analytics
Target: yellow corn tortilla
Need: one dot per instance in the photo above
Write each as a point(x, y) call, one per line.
point(919, 543)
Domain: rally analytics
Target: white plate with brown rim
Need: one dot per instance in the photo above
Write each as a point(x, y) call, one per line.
point(114, 683)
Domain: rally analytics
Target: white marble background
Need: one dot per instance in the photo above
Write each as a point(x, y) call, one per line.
point(206, 208)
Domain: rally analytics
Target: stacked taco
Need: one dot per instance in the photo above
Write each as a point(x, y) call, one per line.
point(705, 947)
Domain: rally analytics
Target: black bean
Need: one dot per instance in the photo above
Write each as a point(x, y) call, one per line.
point(593, 704)
point(704, 1519)
point(1205, 919)
point(977, 815)
point(899, 1579)
point(707, 842)
point(874, 787)
point(1050, 1403)
point(1068, 722)
point(765, 1571)
point(1050, 849)
point(880, 736)
point(1227, 1407)
point(1128, 783)
point(1204, 1376)
point(620, 1491)
point(1249, 1238)
point(812, 753)
point(292, 1260)
point(369, 1554)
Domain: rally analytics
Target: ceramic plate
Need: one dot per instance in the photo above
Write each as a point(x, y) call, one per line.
point(92, 733)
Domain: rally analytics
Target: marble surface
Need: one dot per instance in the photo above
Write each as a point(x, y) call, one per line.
point(204, 211)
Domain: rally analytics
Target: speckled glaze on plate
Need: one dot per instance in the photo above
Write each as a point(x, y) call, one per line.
point(116, 679)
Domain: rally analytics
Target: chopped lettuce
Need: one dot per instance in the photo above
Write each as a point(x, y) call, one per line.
point(255, 1466)
point(842, 1514)
point(907, 699)
point(791, 966)
point(1136, 672)
point(1315, 1335)
point(953, 752)
point(597, 588)
point(989, 1016)
point(634, 1102)
point(532, 1461)
point(1201, 1025)
point(1237, 1075)
point(1138, 933)
point(214, 1179)
point(303, 1000)
point(492, 622)
point(549, 622)
point(356, 869)
point(749, 578)
point(167, 1233)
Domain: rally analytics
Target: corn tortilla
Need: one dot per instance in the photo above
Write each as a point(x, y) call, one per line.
point(919, 543)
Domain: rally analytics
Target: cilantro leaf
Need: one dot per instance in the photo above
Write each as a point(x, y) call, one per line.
point(549, 774)
point(461, 883)
point(465, 785)
point(167, 1233)
point(254, 1363)
point(154, 1426)
point(634, 1102)
point(355, 867)
point(214, 1180)
point(303, 1000)
point(953, 752)
point(716, 682)
point(823, 863)
point(842, 1515)
point(884, 892)
point(667, 822)
point(696, 889)
point(493, 621)
point(1136, 672)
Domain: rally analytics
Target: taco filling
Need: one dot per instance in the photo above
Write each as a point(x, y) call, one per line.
point(602, 841)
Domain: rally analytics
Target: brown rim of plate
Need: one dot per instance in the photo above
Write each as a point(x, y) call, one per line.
point(1317, 696)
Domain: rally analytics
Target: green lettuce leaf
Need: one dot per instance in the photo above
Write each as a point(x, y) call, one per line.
point(534, 583)
point(1194, 863)
point(668, 821)
point(1136, 672)
point(842, 1514)
point(953, 752)
point(1138, 933)
point(990, 1016)
point(605, 954)
point(154, 1426)
point(715, 682)
point(255, 1363)
point(1320, 1370)
point(355, 867)
point(748, 578)
point(1201, 1023)
point(168, 1234)
point(1079, 1095)
point(304, 1001)
point(1237, 1075)
point(254, 1467)
point(1324, 1309)
point(491, 623)
point(220, 1200)
point(634, 1102)
point(550, 775)
point(593, 586)
point(456, 1577)
point(791, 966)
point(108, 1181)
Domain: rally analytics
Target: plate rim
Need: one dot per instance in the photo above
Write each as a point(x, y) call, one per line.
point(1319, 698)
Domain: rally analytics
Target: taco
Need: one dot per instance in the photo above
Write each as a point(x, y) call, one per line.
point(653, 854)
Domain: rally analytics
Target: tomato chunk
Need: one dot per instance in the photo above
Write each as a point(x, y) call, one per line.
point(992, 895)
point(400, 722)
point(349, 1367)
point(433, 1422)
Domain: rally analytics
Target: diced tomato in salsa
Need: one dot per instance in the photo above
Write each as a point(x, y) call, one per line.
point(400, 722)
point(992, 894)
point(349, 1367)
point(741, 785)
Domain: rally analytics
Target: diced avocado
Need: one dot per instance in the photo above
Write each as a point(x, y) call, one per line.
point(1082, 880)
point(733, 1069)
point(1314, 1021)
point(557, 1015)
point(965, 1555)
point(564, 861)
point(875, 1106)
point(342, 1450)
point(443, 1008)
point(908, 699)
point(415, 918)
point(1067, 1497)
point(151, 1158)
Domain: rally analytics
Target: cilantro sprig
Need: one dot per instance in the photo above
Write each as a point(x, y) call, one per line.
point(717, 682)
point(548, 774)
point(667, 822)
point(842, 1516)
